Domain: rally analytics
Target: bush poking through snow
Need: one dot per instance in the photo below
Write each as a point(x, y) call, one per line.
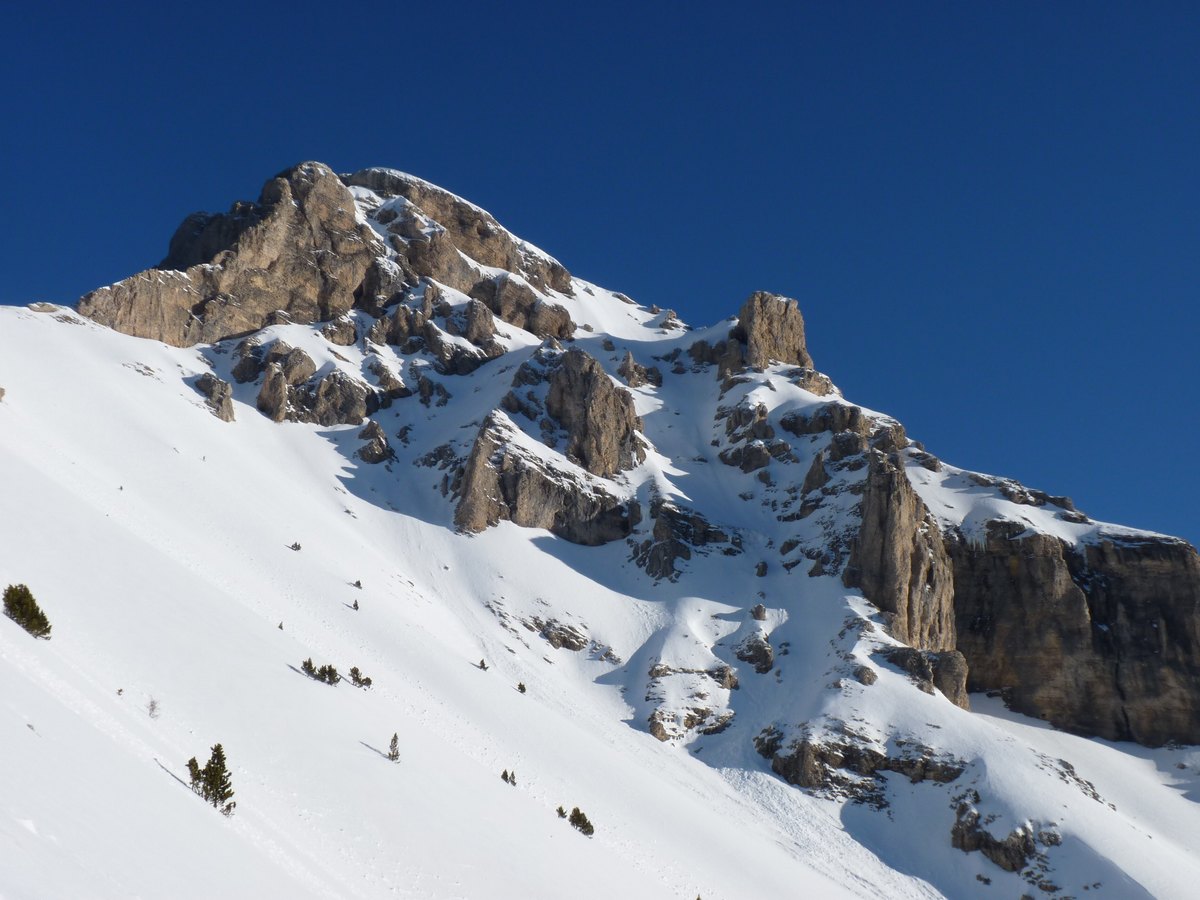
point(521, 686)
point(358, 679)
point(562, 813)
point(20, 606)
point(326, 673)
point(394, 748)
point(213, 782)
point(580, 822)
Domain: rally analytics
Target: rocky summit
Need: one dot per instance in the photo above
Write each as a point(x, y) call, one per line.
point(689, 532)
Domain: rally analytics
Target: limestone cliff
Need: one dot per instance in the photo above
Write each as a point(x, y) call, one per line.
point(299, 251)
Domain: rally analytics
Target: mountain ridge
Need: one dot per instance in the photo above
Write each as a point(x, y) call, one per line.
point(823, 551)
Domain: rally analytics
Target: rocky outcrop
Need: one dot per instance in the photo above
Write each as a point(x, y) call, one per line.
point(514, 301)
point(299, 250)
point(413, 330)
point(501, 482)
point(598, 417)
point(636, 375)
point(899, 560)
point(390, 385)
point(341, 332)
point(296, 365)
point(848, 767)
point(218, 395)
point(272, 400)
point(1011, 853)
point(677, 533)
point(376, 449)
point(769, 330)
point(336, 399)
point(1101, 639)
point(467, 229)
point(339, 400)
point(945, 670)
point(772, 330)
point(756, 650)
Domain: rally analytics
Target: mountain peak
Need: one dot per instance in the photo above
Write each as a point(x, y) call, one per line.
point(381, 429)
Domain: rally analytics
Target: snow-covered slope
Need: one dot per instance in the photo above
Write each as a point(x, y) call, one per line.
point(159, 541)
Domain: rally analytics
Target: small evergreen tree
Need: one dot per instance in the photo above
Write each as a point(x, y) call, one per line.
point(328, 674)
point(308, 668)
point(194, 774)
point(394, 748)
point(358, 679)
point(562, 813)
point(580, 822)
point(212, 782)
point(521, 686)
point(20, 606)
point(218, 788)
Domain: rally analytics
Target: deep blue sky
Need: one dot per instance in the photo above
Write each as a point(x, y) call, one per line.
point(990, 212)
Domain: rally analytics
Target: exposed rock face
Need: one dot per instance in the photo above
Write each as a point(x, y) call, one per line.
point(391, 385)
point(413, 329)
point(899, 559)
point(376, 449)
point(468, 229)
point(515, 302)
point(499, 482)
point(272, 399)
point(772, 329)
point(337, 399)
point(758, 652)
point(636, 375)
point(296, 365)
point(299, 250)
point(559, 634)
point(218, 395)
point(340, 400)
point(1011, 853)
point(341, 332)
point(1102, 640)
point(946, 671)
point(679, 531)
point(847, 768)
point(597, 415)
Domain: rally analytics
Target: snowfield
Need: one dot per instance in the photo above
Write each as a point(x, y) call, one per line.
point(158, 539)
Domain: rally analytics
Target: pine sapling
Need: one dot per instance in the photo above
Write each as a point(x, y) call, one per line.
point(213, 782)
point(20, 606)
point(394, 748)
point(580, 822)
